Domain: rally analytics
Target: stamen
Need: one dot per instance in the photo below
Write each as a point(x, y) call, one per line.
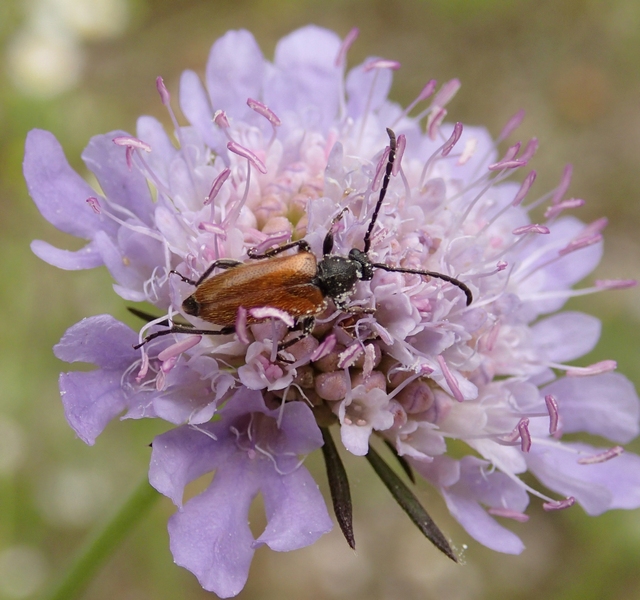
point(165, 97)
point(351, 37)
point(265, 111)
point(450, 379)
point(448, 90)
point(179, 347)
point(268, 312)
point(349, 355)
point(434, 121)
point(468, 151)
point(604, 366)
point(241, 325)
point(246, 153)
point(532, 228)
point(453, 140)
point(524, 188)
point(512, 124)
point(615, 284)
point(220, 119)
point(602, 457)
point(580, 243)
point(530, 150)
point(381, 63)
point(559, 504)
point(218, 182)
point(94, 203)
point(325, 348)
point(525, 436)
point(552, 408)
point(555, 209)
point(563, 186)
point(401, 144)
point(508, 513)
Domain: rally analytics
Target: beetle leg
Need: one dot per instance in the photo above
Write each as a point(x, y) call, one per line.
point(184, 329)
point(305, 325)
point(302, 245)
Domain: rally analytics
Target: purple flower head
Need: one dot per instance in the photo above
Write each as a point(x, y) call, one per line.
point(298, 149)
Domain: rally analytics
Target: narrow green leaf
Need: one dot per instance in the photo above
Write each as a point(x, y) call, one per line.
point(406, 467)
point(410, 504)
point(339, 486)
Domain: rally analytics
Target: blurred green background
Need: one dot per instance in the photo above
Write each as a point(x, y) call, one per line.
point(82, 67)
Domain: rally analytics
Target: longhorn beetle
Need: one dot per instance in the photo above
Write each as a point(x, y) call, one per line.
point(297, 284)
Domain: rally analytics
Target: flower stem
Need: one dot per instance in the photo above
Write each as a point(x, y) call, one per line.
point(100, 547)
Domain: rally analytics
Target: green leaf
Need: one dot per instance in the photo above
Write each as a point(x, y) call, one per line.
point(339, 486)
point(410, 504)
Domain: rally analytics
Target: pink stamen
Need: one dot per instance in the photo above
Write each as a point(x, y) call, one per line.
point(401, 144)
point(525, 435)
point(326, 347)
point(217, 184)
point(434, 121)
point(94, 203)
point(552, 409)
point(168, 364)
point(615, 284)
point(271, 241)
point(381, 63)
point(162, 90)
point(178, 348)
point(246, 153)
point(559, 504)
point(468, 151)
point(555, 209)
point(512, 124)
point(563, 185)
point(369, 360)
point(604, 366)
point(580, 243)
point(530, 150)
point(349, 355)
point(524, 188)
point(508, 513)
point(427, 90)
point(596, 226)
point(241, 325)
point(344, 47)
point(268, 312)
point(507, 164)
point(265, 111)
point(447, 92)
point(450, 379)
point(453, 140)
point(602, 457)
point(380, 170)
point(129, 141)
point(144, 367)
point(220, 119)
point(532, 228)
point(213, 228)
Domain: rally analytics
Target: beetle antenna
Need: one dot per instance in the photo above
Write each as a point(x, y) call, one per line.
point(383, 189)
point(448, 278)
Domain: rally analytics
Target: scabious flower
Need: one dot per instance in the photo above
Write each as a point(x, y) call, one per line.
point(293, 149)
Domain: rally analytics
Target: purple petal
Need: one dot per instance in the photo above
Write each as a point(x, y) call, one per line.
point(605, 405)
point(296, 512)
point(195, 105)
point(300, 428)
point(128, 188)
point(234, 73)
point(86, 258)
point(306, 81)
point(100, 340)
point(91, 400)
point(567, 335)
point(58, 191)
point(211, 535)
point(184, 454)
point(367, 90)
point(597, 487)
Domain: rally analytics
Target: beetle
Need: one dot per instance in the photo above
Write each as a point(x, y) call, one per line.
point(297, 284)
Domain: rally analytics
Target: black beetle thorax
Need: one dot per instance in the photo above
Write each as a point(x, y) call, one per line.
point(337, 275)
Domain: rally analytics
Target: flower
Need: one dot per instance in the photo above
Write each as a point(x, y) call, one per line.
point(298, 149)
